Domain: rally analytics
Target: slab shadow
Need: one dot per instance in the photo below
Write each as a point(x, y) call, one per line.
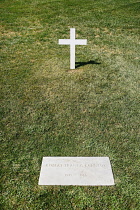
point(78, 64)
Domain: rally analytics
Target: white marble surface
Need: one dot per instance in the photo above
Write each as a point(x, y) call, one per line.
point(91, 171)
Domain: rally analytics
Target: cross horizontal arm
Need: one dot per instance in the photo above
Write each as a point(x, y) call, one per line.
point(81, 42)
point(75, 42)
point(65, 41)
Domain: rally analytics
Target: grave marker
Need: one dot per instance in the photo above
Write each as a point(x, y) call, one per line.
point(91, 171)
point(72, 42)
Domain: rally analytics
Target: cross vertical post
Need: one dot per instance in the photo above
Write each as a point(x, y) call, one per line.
point(72, 42)
point(72, 48)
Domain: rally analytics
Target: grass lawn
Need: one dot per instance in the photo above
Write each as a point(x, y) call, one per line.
point(49, 110)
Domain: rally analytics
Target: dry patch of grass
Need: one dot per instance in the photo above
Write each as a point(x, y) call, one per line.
point(8, 33)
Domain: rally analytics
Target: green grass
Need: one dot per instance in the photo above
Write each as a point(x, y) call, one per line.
point(49, 110)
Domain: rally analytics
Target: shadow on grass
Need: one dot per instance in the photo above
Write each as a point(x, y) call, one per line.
point(53, 196)
point(78, 64)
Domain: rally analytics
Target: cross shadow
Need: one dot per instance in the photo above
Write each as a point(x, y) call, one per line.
point(78, 64)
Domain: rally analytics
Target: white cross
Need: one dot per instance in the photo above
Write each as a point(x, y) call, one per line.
point(72, 42)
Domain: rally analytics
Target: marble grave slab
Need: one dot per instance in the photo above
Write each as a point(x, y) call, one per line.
point(89, 171)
